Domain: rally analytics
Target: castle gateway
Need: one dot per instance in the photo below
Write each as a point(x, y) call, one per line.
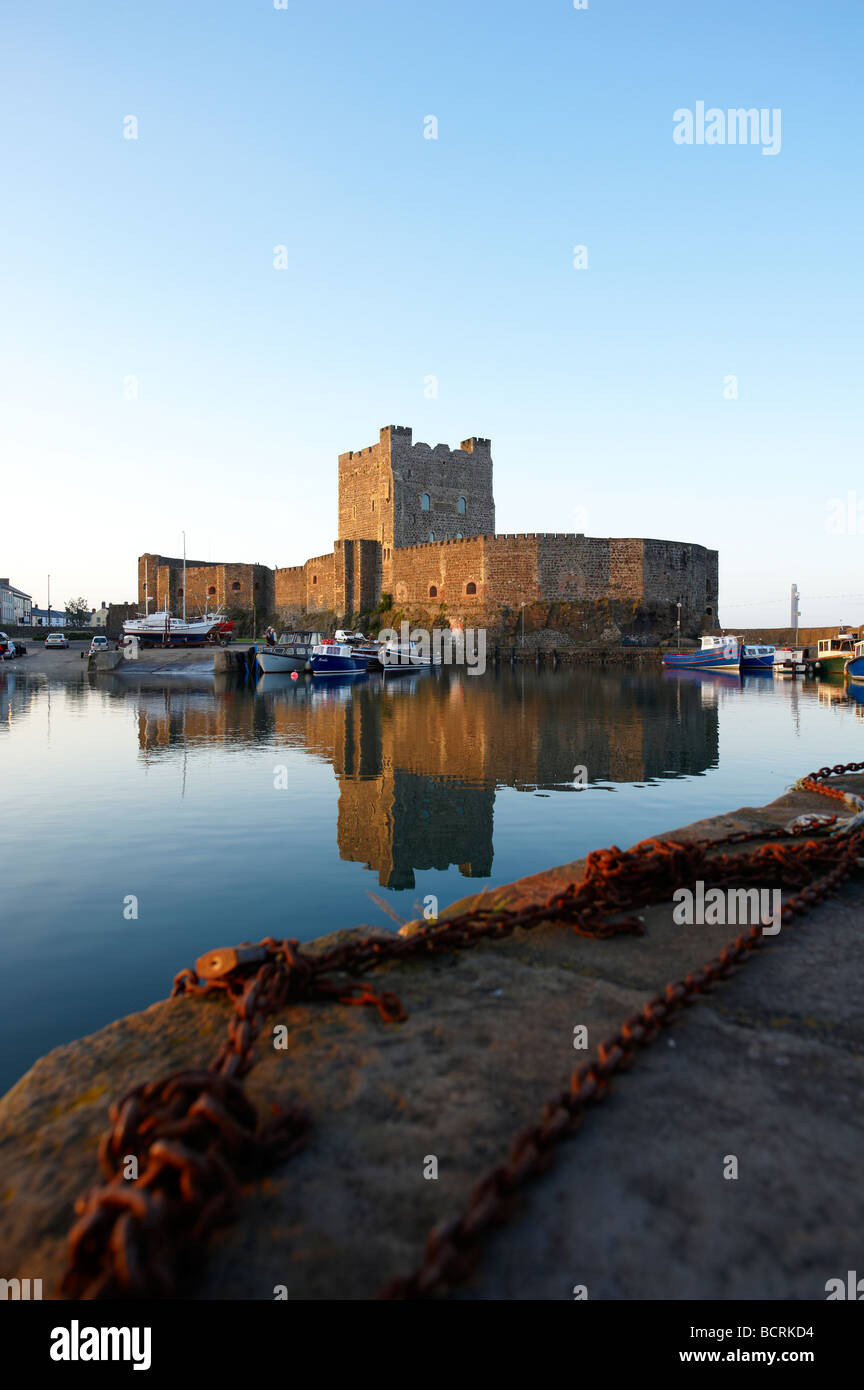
point(418, 524)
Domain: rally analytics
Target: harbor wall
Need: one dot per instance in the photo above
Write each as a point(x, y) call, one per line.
point(786, 637)
point(749, 1059)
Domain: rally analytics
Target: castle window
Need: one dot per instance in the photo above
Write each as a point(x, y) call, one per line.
point(314, 579)
point(431, 535)
point(373, 504)
point(424, 502)
point(471, 587)
point(212, 589)
point(257, 585)
point(433, 592)
point(462, 506)
point(179, 591)
point(236, 585)
point(709, 612)
point(459, 536)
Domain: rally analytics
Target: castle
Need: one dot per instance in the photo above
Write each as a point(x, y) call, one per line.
point(418, 524)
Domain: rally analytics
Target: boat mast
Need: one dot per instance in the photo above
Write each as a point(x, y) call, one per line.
point(184, 576)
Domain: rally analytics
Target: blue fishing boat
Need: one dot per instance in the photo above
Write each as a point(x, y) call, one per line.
point(757, 658)
point(855, 664)
point(716, 654)
point(337, 659)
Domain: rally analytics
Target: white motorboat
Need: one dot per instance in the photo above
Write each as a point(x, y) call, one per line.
point(293, 652)
point(788, 661)
point(401, 656)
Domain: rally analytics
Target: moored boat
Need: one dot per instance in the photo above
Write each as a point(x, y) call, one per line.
point(336, 659)
point(855, 664)
point(293, 652)
point(757, 657)
point(401, 656)
point(832, 654)
point(716, 654)
point(787, 661)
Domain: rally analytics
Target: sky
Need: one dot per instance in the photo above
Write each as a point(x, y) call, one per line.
point(164, 367)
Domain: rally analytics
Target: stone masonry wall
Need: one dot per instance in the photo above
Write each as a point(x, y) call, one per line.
point(509, 570)
point(675, 569)
point(381, 490)
point(207, 585)
point(445, 476)
point(309, 588)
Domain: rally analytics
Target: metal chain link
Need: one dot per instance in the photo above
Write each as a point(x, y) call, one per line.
point(194, 1134)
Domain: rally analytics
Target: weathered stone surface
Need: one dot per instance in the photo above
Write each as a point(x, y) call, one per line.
point(104, 661)
point(767, 1068)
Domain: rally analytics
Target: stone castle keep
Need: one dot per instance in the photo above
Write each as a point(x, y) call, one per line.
point(418, 524)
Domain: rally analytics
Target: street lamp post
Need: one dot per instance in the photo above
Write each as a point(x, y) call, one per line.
point(49, 600)
point(679, 624)
point(522, 605)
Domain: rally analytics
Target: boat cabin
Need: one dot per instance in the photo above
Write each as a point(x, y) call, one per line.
point(299, 643)
point(841, 645)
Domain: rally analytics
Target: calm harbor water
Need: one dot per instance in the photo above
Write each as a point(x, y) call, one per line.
point(231, 812)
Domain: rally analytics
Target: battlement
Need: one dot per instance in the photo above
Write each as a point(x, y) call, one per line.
point(541, 536)
point(445, 541)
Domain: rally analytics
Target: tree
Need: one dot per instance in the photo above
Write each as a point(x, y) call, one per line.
point(78, 610)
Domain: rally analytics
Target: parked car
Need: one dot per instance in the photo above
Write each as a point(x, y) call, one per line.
point(13, 649)
point(56, 639)
point(346, 635)
point(4, 642)
point(98, 644)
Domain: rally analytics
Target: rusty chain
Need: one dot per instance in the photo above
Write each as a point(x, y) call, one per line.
point(194, 1135)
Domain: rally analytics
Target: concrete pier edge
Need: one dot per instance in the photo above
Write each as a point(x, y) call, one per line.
point(488, 1037)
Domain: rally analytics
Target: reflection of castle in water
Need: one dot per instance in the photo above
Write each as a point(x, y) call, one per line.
point(418, 761)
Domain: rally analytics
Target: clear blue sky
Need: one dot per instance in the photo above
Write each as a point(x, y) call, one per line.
point(601, 389)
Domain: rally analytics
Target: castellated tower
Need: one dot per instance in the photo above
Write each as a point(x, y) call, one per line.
point(399, 494)
point(417, 523)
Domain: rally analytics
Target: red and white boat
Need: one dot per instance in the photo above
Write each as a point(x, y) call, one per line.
point(716, 654)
